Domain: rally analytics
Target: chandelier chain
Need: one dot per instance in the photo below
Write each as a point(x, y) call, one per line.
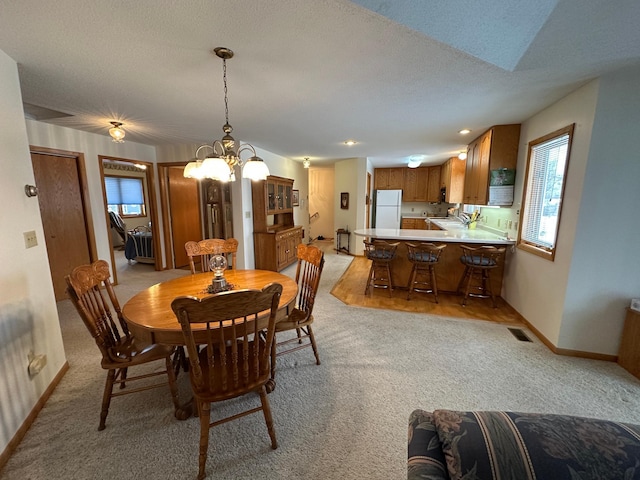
point(226, 103)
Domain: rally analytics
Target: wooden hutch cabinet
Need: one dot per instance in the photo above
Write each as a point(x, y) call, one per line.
point(496, 148)
point(275, 237)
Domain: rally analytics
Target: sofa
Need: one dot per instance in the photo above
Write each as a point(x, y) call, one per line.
point(478, 445)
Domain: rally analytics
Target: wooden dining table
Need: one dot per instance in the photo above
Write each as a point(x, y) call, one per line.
point(151, 319)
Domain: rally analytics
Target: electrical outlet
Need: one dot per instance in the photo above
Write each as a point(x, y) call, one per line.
point(412, 209)
point(509, 224)
point(30, 239)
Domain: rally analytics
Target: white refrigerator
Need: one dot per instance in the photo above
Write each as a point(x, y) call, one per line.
point(388, 206)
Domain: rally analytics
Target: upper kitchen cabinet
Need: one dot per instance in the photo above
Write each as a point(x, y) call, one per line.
point(415, 185)
point(494, 149)
point(433, 186)
point(388, 178)
point(452, 179)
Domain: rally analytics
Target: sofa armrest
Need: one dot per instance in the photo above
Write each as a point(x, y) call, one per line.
point(425, 456)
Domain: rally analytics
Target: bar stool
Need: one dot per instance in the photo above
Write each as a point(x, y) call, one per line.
point(424, 258)
point(478, 263)
point(381, 254)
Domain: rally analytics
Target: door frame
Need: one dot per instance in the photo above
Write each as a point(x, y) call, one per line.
point(153, 208)
point(84, 191)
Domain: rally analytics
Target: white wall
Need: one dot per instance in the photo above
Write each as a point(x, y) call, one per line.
point(91, 145)
point(536, 287)
point(578, 301)
point(605, 268)
point(348, 178)
point(28, 315)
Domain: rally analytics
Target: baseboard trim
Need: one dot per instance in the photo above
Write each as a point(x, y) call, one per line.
point(565, 351)
point(24, 428)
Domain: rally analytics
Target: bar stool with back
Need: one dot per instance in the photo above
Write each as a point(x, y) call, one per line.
point(381, 254)
point(424, 257)
point(478, 263)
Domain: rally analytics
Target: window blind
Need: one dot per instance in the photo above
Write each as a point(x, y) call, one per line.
point(124, 191)
point(544, 191)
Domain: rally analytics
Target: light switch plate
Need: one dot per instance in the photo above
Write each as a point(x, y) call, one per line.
point(30, 239)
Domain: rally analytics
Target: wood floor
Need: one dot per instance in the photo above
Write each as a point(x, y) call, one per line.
point(350, 290)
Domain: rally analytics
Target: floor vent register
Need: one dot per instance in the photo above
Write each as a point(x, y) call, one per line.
point(519, 334)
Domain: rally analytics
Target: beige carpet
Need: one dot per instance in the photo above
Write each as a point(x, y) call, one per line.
point(344, 419)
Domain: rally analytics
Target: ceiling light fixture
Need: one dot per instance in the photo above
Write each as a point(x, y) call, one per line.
point(225, 153)
point(464, 131)
point(350, 143)
point(415, 161)
point(306, 163)
point(117, 132)
point(462, 155)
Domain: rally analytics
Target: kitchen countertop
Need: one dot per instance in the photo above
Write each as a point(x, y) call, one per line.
point(453, 232)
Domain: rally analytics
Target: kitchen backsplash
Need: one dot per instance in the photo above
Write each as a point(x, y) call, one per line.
point(417, 209)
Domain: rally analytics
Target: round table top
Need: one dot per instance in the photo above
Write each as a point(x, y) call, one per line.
point(149, 314)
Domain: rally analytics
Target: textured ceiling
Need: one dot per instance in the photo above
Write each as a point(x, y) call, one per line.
point(401, 77)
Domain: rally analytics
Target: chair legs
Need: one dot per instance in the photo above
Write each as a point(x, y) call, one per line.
point(301, 333)
point(425, 270)
point(379, 273)
point(204, 412)
point(484, 285)
point(119, 375)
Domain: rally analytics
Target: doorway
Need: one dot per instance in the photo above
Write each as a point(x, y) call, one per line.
point(63, 198)
point(149, 201)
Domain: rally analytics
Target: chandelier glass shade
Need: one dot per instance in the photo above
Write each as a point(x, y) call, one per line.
point(225, 154)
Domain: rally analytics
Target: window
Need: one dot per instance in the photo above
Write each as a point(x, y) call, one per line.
point(543, 192)
point(125, 196)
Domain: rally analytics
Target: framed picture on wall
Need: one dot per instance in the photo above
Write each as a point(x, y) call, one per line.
point(344, 200)
point(295, 197)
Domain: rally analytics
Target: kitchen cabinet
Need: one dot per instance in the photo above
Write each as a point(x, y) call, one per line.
point(415, 184)
point(433, 186)
point(413, 223)
point(496, 148)
point(275, 237)
point(388, 178)
point(452, 176)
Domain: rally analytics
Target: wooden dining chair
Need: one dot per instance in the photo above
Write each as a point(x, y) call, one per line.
point(101, 313)
point(209, 247)
point(300, 318)
point(235, 357)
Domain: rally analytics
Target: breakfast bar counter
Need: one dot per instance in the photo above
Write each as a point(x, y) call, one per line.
point(449, 269)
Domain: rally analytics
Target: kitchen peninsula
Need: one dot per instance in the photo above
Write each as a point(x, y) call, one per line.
point(453, 234)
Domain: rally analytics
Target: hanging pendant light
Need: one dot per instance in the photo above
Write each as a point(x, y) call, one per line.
point(226, 153)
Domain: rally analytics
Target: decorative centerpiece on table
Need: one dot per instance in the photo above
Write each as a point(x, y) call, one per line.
point(218, 264)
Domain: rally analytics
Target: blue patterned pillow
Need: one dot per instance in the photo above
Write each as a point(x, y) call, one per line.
point(510, 445)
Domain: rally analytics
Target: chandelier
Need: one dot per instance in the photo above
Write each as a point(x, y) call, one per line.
point(117, 132)
point(225, 154)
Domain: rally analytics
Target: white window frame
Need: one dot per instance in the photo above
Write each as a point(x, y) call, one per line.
point(532, 236)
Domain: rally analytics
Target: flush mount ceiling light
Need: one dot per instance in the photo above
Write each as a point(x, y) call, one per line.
point(350, 143)
point(117, 132)
point(306, 163)
point(464, 131)
point(415, 161)
point(462, 155)
point(225, 153)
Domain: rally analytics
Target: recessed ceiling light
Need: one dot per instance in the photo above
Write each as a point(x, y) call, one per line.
point(464, 131)
point(350, 143)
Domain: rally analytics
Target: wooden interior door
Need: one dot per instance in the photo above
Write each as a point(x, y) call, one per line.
point(184, 206)
point(63, 216)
